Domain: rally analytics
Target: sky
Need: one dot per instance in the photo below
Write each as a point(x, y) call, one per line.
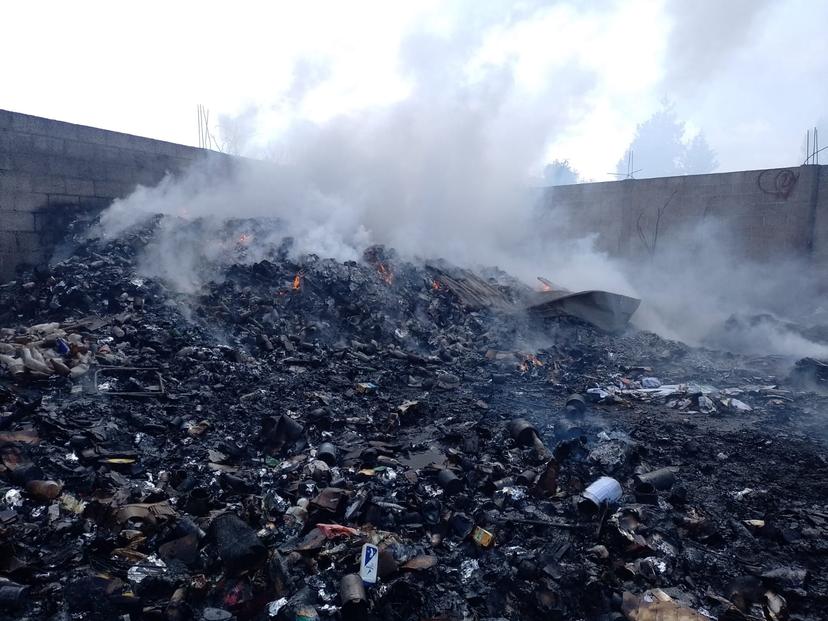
point(749, 74)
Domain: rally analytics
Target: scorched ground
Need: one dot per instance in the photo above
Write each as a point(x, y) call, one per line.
point(227, 453)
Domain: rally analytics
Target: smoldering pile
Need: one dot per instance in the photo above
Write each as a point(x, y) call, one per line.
point(303, 438)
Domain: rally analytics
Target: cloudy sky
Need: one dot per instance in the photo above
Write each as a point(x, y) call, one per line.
point(749, 73)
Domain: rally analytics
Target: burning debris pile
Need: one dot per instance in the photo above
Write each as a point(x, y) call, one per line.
point(310, 439)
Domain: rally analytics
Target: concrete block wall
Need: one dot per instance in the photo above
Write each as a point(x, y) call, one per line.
point(768, 213)
point(50, 169)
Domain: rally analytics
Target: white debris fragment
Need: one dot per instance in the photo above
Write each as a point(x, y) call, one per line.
point(150, 566)
point(739, 406)
point(468, 569)
point(275, 606)
point(13, 498)
point(706, 404)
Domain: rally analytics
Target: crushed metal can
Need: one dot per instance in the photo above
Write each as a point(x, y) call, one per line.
point(482, 537)
point(366, 388)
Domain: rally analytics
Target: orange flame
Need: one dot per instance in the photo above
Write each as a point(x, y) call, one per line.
point(244, 239)
point(297, 282)
point(529, 361)
point(385, 273)
point(545, 285)
point(436, 285)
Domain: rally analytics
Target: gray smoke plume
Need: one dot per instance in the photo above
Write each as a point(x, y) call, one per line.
point(704, 36)
point(446, 172)
point(748, 74)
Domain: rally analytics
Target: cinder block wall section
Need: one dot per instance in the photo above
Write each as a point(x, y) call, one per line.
point(767, 214)
point(50, 169)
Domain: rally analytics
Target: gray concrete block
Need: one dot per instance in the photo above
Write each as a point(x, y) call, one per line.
point(30, 124)
point(95, 135)
point(17, 221)
point(126, 157)
point(48, 184)
point(80, 187)
point(33, 163)
point(18, 242)
point(142, 160)
point(144, 145)
point(47, 144)
point(92, 170)
point(80, 150)
point(148, 145)
point(181, 164)
point(94, 203)
point(112, 189)
point(106, 153)
point(149, 178)
point(117, 139)
point(29, 201)
point(19, 142)
point(8, 263)
point(11, 181)
point(7, 198)
point(166, 148)
point(65, 131)
point(163, 163)
point(48, 221)
point(28, 244)
point(63, 166)
point(116, 171)
point(185, 152)
point(63, 200)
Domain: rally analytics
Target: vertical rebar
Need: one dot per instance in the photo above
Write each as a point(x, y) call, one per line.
point(807, 146)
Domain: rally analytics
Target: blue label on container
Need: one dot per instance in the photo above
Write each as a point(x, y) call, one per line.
point(370, 562)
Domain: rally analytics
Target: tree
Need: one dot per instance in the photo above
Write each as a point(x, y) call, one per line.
point(659, 148)
point(559, 172)
point(699, 157)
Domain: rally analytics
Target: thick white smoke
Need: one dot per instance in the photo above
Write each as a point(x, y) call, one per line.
point(445, 172)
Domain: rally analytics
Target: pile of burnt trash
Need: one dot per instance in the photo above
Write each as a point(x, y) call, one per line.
point(303, 438)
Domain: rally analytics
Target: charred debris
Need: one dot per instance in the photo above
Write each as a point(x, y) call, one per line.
point(311, 439)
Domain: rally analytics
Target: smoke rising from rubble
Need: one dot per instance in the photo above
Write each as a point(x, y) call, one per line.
point(445, 173)
point(442, 173)
point(699, 288)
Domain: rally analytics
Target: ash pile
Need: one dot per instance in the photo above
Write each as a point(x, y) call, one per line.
point(304, 438)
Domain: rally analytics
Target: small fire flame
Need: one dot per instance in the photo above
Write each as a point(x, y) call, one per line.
point(545, 287)
point(385, 273)
point(244, 239)
point(529, 361)
point(436, 285)
point(297, 282)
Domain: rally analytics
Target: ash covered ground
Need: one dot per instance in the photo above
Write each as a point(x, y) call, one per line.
point(228, 453)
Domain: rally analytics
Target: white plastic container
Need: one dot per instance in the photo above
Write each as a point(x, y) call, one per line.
point(605, 489)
